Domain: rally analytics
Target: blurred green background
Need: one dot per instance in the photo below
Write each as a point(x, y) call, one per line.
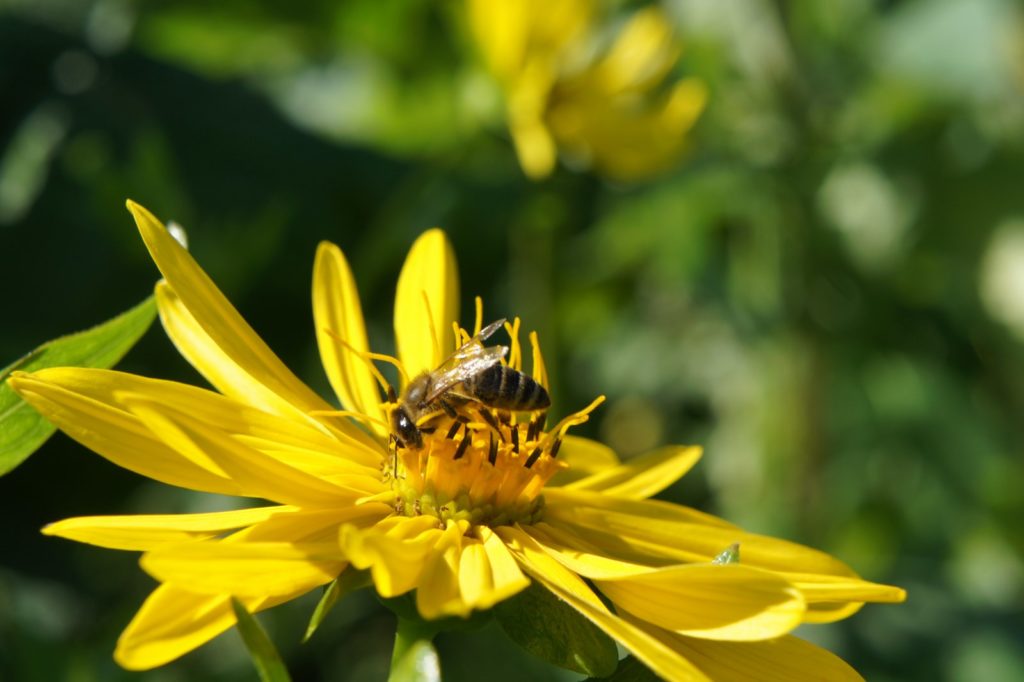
point(827, 293)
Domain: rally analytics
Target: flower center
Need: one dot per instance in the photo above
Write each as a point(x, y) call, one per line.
point(481, 467)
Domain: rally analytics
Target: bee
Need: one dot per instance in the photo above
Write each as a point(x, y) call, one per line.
point(473, 373)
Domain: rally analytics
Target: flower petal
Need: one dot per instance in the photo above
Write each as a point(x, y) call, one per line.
point(234, 339)
point(438, 593)
point(567, 586)
point(584, 457)
point(506, 577)
point(826, 588)
point(662, 529)
point(146, 531)
point(643, 476)
point(727, 602)
point(173, 621)
point(786, 659)
point(695, 599)
point(257, 474)
point(338, 317)
point(235, 380)
point(250, 569)
point(394, 550)
point(88, 413)
point(464, 573)
point(426, 303)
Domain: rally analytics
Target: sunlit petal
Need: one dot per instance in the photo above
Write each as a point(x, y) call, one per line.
point(173, 622)
point(570, 588)
point(218, 319)
point(244, 568)
point(341, 332)
point(426, 303)
point(87, 411)
point(643, 476)
point(145, 531)
point(235, 380)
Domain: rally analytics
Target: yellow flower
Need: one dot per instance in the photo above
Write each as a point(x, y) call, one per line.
point(467, 521)
point(615, 112)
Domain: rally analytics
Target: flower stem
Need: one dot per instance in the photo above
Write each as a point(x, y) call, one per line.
point(410, 633)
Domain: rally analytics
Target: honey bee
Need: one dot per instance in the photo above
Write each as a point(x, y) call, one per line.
point(473, 373)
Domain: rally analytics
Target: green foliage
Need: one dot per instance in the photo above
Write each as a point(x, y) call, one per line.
point(22, 429)
point(268, 662)
point(825, 294)
point(552, 630)
point(350, 580)
point(628, 670)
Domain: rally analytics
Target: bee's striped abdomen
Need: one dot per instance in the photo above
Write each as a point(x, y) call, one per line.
point(507, 389)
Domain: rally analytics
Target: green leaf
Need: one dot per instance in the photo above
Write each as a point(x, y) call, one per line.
point(549, 628)
point(729, 555)
point(264, 656)
point(419, 663)
point(346, 583)
point(22, 429)
point(629, 670)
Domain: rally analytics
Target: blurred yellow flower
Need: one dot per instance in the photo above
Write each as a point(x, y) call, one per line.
point(488, 503)
point(615, 111)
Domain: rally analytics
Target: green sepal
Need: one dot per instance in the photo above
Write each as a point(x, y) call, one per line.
point(404, 606)
point(350, 580)
point(22, 429)
point(269, 665)
point(629, 670)
point(550, 629)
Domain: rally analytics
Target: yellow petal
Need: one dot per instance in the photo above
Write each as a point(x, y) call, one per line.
point(426, 303)
point(584, 457)
point(594, 504)
point(395, 556)
point(312, 525)
point(674, 532)
point(786, 659)
point(642, 55)
point(257, 474)
point(506, 578)
point(244, 568)
point(173, 622)
point(830, 612)
point(146, 531)
point(438, 592)
point(696, 599)
point(643, 476)
point(827, 588)
point(570, 588)
point(89, 414)
point(727, 602)
point(235, 380)
point(338, 317)
point(236, 342)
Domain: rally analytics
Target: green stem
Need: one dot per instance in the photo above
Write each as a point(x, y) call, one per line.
point(408, 632)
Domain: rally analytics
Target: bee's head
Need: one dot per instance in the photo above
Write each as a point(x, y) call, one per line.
point(405, 429)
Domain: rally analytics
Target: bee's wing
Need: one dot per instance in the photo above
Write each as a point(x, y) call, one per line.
point(469, 360)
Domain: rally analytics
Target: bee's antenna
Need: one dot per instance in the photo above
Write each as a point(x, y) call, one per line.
point(392, 396)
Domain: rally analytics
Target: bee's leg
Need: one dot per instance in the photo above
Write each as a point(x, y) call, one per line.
point(448, 409)
point(486, 415)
